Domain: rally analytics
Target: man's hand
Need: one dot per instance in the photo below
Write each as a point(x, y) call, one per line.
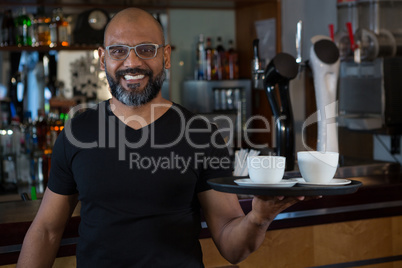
point(266, 208)
point(237, 235)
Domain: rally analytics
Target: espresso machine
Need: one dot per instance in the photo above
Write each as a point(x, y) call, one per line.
point(370, 90)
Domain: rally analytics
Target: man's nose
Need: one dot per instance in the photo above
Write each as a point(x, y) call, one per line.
point(133, 59)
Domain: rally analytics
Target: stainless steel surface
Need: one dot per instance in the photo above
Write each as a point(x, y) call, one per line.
point(198, 96)
point(369, 94)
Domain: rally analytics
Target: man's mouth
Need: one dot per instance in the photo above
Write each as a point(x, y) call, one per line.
point(133, 74)
point(133, 77)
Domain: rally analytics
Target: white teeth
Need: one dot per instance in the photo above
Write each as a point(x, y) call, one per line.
point(133, 77)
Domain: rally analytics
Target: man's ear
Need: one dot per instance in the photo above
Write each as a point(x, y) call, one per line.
point(101, 53)
point(167, 52)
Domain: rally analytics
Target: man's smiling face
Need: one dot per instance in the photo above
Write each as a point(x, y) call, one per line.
point(135, 81)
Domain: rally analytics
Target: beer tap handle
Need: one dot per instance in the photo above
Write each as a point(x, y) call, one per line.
point(256, 69)
point(256, 58)
point(299, 29)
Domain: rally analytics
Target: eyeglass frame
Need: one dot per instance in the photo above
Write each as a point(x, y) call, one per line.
point(135, 50)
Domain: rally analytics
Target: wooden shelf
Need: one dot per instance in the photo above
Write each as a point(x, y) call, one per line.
point(62, 103)
point(46, 49)
point(145, 4)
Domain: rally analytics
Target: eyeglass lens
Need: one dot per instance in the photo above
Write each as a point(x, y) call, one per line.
point(145, 51)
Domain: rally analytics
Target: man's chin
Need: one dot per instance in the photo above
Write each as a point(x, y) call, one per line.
point(134, 87)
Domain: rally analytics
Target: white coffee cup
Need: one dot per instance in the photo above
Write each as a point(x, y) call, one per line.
point(266, 168)
point(317, 167)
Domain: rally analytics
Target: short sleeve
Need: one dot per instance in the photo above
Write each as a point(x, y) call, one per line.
point(61, 179)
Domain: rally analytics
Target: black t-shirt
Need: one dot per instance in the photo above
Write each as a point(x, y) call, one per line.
point(138, 188)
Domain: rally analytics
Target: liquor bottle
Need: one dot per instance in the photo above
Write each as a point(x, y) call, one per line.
point(41, 28)
point(47, 151)
point(220, 59)
point(8, 158)
point(41, 127)
point(23, 161)
point(23, 25)
point(59, 29)
point(36, 161)
point(233, 65)
point(27, 130)
point(209, 54)
point(39, 143)
point(18, 151)
point(200, 60)
point(55, 126)
point(8, 29)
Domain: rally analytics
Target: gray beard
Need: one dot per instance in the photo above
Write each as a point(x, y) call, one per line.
point(135, 97)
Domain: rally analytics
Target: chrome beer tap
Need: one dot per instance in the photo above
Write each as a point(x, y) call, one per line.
point(257, 67)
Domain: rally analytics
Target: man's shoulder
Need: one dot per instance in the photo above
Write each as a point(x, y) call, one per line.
point(84, 119)
point(87, 114)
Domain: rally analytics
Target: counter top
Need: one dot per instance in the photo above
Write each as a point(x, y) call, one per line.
point(380, 196)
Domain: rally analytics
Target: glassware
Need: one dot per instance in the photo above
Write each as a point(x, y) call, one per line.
point(23, 25)
point(8, 29)
point(41, 29)
point(59, 29)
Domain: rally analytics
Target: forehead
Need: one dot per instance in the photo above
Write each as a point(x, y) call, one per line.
point(133, 30)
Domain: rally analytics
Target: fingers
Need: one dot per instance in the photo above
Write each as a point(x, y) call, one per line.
point(281, 197)
point(313, 197)
point(301, 198)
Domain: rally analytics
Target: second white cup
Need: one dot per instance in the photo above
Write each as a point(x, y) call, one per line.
point(266, 168)
point(317, 167)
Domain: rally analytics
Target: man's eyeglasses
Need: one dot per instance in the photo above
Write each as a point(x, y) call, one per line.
point(143, 51)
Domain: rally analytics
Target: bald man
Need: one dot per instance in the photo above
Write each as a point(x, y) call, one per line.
point(139, 165)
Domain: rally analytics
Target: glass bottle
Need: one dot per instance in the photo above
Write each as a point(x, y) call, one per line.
point(220, 61)
point(41, 29)
point(23, 25)
point(8, 29)
point(47, 152)
point(59, 29)
point(8, 158)
point(41, 127)
point(200, 60)
point(209, 54)
point(233, 65)
point(23, 162)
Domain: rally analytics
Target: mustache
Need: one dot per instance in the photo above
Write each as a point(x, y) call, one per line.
point(121, 73)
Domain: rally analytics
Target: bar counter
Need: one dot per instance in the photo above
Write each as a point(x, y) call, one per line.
point(380, 196)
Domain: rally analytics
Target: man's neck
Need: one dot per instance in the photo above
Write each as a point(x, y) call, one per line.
point(141, 116)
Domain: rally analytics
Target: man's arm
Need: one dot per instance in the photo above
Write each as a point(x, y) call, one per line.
point(42, 240)
point(237, 235)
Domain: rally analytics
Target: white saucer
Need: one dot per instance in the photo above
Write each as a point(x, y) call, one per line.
point(333, 182)
point(282, 183)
